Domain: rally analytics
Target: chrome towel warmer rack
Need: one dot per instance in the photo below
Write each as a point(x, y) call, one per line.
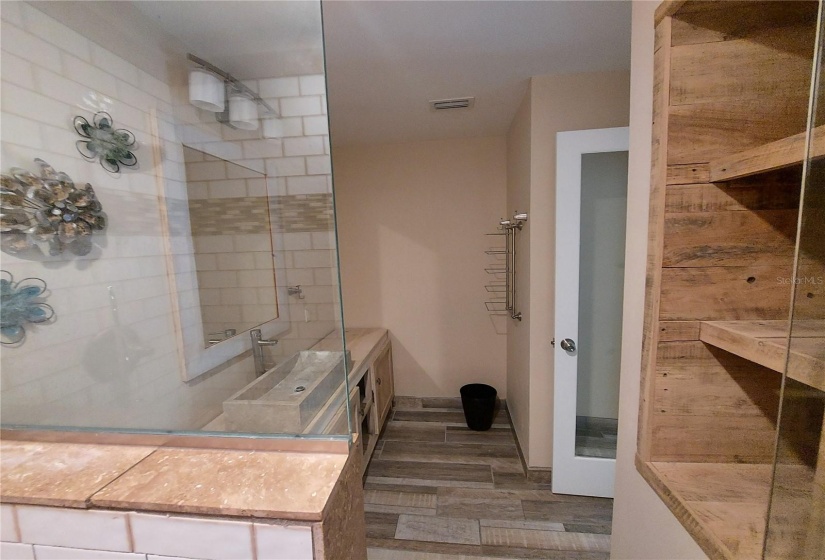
point(509, 229)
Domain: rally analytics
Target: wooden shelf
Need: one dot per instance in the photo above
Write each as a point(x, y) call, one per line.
point(768, 157)
point(724, 506)
point(765, 343)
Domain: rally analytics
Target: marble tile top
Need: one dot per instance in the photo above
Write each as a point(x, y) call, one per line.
point(271, 484)
point(268, 484)
point(61, 474)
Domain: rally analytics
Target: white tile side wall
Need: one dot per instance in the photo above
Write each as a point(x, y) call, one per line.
point(49, 533)
point(74, 372)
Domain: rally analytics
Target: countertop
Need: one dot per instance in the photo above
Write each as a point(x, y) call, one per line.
point(267, 484)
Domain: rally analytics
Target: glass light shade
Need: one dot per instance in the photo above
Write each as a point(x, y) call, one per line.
point(206, 91)
point(243, 112)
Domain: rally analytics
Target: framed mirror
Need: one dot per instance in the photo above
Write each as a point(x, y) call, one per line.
point(221, 260)
point(231, 229)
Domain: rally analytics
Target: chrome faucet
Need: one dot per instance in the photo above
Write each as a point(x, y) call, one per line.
point(258, 344)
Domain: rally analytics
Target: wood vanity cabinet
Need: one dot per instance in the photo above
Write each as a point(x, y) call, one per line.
point(371, 389)
point(383, 390)
point(732, 82)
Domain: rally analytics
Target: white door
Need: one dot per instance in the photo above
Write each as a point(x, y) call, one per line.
point(591, 215)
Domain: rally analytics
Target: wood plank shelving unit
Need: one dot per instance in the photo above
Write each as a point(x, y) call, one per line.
point(732, 81)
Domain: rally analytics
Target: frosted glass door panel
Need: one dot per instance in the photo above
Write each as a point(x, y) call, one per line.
point(601, 279)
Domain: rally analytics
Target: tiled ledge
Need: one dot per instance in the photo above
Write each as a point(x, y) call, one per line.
point(220, 482)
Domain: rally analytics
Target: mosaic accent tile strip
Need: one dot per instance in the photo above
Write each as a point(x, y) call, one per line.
point(302, 212)
point(234, 216)
point(229, 216)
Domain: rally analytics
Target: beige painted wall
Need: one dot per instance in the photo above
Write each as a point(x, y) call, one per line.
point(643, 527)
point(518, 341)
point(411, 223)
point(556, 103)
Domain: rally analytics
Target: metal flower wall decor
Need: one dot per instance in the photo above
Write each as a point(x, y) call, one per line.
point(112, 147)
point(48, 213)
point(19, 304)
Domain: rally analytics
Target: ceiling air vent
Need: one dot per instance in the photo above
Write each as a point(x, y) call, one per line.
point(457, 103)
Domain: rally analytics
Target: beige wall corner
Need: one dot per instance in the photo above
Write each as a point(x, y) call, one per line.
point(411, 225)
point(518, 332)
point(557, 103)
point(643, 527)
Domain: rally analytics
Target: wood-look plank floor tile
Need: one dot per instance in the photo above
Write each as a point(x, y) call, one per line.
point(494, 436)
point(503, 494)
point(596, 528)
point(384, 508)
point(441, 402)
point(511, 465)
point(510, 524)
point(438, 529)
point(453, 416)
point(447, 449)
point(540, 554)
point(385, 554)
point(422, 547)
point(569, 512)
point(546, 540)
point(370, 484)
point(413, 431)
point(517, 481)
point(426, 482)
point(418, 500)
point(430, 471)
point(381, 525)
point(456, 506)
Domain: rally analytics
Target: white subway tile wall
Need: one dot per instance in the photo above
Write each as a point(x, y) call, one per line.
point(15, 551)
point(191, 537)
point(8, 525)
point(73, 528)
point(275, 542)
point(108, 364)
point(91, 535)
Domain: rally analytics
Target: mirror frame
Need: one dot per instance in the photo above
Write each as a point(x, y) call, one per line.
point(195, 359)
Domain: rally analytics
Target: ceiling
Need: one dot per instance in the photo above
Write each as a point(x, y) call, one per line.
point(250, 39)
point(385, 60)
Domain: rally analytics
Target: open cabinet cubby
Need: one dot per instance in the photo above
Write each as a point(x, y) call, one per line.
point(729, 333)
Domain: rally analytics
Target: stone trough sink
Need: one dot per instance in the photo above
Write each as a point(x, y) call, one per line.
point(287, 397)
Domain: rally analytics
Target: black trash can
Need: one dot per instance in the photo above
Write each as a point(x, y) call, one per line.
point(479, 402)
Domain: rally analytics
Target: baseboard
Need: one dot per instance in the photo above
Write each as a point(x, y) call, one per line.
point(419, 403)
point(539, 475)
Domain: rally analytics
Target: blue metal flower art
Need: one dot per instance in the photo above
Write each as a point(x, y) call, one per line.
point(112, 147)
point(19, 304)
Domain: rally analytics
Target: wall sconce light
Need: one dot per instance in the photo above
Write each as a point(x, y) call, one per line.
point(208, 90)
point(243, 111)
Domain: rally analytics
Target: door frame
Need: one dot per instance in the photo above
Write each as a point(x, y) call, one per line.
point(585, 476)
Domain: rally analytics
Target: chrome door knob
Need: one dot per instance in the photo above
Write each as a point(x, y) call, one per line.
point(568, 345)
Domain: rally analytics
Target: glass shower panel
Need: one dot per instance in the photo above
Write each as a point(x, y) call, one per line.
point(168, 230)
point(601, 281)
point(796, 522)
